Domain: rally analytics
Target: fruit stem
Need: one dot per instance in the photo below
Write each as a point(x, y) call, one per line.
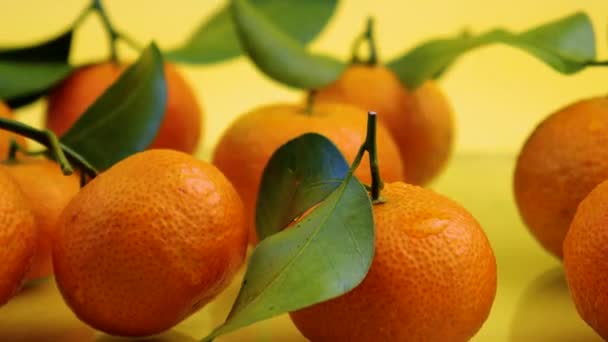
point(113, 34)
point(310, 101)
point(369, 145)
point(14, 147)
point(369, 37)
point(597, 63)
point(59, 152)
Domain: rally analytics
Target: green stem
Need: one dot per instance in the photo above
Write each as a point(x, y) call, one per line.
point(112, 33)
point(371, 41)
point(14, 147)
point(370, 142)
point(61, 153)
point(597, 63)
point(369, 145)
point(369, 37)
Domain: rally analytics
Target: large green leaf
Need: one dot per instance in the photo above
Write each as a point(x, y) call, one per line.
point(567, 45)
point(294, 182)
point(216, 39)
point(324, 255)
point(26, 73)
point(277, 54)
point(126, 117)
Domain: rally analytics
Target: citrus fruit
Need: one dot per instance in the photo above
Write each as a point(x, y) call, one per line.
point(6, 136)
point(47, 191)
point(148, 242)
point(17, 237)
point(180, 128)
point(433, 276)
point(420, 121)
point(562, 160)
point(585, 250)
point(247, 145)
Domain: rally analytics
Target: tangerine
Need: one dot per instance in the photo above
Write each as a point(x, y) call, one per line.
point(433, 276)
point(47, 191)
point(420, 121)
point(563, 159)
point(148, 242)
point(17, 237)
point(585, 259)
point(247, 145)
point(182, 124)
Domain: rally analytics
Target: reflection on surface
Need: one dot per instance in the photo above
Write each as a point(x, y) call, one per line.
point(546, 312)
point(37, 314)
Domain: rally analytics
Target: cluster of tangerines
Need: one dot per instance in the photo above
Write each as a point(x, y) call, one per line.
point(159, 234)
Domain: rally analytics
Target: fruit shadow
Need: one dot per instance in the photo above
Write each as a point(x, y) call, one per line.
point(170, 336)
point(546, 313)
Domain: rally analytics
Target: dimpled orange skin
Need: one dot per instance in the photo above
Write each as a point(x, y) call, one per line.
point(180, 130)
point(247, 145)
point(47, 191)
point(17, 237)
point(561, 162)
point(433, 276)
point(585, 263)
point(421, 122)
point(6, 136)
point(148, 242)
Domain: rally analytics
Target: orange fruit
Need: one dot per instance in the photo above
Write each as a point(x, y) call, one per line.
point(47, 191)
point(561, 162)
point(585, 261)
point(6, 136)
point(181, 126)
point(247, 145)
point(148, 242)
point(433, 276)
point(17, 237)
point(420, 121)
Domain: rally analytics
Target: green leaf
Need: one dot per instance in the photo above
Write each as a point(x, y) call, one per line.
point(294, 182)
point(566, 45)
point(27, 73)
point(126, 117)
point(326, 254)
point(279, 56)
point(216, 39)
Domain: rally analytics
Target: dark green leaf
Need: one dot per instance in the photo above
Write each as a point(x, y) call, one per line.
point(294, 182)
point(126, 117)
point(216, 39)
point(278, 55)
point(567, 45)
point(324, 255)
point(26, 73)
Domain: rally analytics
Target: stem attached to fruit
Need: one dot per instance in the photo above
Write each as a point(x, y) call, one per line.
point(369, 145)
point(366, 36)
point(113, 34)
point(310, 101)
point(57, 151)
point(14, 147)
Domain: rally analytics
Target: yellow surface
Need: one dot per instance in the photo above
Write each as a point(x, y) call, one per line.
point(498, 93)
point(532, 301)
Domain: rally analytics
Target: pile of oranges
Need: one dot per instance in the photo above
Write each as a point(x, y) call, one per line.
point(159, 234)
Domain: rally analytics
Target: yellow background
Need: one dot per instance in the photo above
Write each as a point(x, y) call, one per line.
point(499, 94)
